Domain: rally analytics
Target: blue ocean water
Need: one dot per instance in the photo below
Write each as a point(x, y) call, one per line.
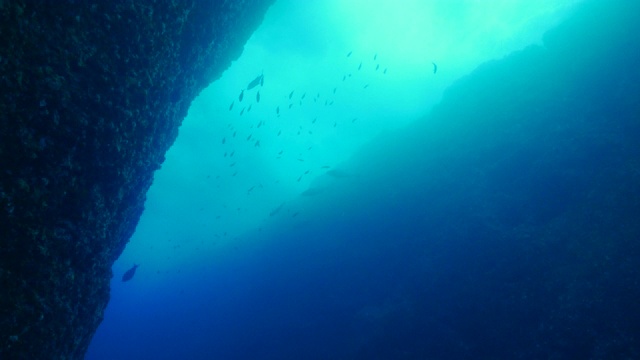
point(500, 224)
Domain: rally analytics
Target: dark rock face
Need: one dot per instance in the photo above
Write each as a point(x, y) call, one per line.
point(91, 98)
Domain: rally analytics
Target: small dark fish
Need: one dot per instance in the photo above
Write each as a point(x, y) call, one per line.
point(303, 95)
point(300, 159)
point(257, 143)
point(344, 77)
point(366, 86)
point(377, 67)
point(258, 96)
point(349, 54)
point(241, 95)
point(231, 106)
point(325, 167)
point(290, 105)
point(276, 210)
point(385, 71)
point(234, 133)
point(241, 111)
point(225, 154)
point(435, 67)
point(375, 56)
point(249, 137)
point(224, 140)
point(232, 164)
point(259, 124)
point(231, 155)
point(334, 90)
point(128, 275)
point(278, 110)
point(279, 132)
point(291, 94)
point(280, 153)
point(314, 120)
point(360, 66)
point(249, 108)
point(255, 82)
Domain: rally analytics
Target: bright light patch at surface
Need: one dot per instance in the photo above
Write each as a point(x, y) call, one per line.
point(235, 170)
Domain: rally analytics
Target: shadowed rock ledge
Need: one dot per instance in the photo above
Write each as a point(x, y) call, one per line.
point(91, 97)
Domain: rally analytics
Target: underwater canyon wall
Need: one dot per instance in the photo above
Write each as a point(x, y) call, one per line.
point(91, 97)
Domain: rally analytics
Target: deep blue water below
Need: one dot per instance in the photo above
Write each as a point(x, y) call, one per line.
point(504, 225)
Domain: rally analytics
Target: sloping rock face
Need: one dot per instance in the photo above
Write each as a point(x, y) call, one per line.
point(91, 97)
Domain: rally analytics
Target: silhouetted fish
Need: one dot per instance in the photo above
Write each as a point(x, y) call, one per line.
point(360, 66)
point(377, 67)
point(291, 94)
point(128, 275)
point(278, 110)
point(258, 96)
point(435, 67)
point(241, 95)
point(276, 210)
point(349, 54)
point(255, 82)
point(231, 106)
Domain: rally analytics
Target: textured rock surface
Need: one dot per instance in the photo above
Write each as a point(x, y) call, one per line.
point(91, 97)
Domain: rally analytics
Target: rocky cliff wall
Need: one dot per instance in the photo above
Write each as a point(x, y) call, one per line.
point(91, 97)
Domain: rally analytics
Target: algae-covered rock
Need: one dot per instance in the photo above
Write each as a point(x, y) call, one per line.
point(91, 97)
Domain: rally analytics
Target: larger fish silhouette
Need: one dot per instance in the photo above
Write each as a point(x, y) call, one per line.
point(435, 67)
point(129, 274)
point(255, 82)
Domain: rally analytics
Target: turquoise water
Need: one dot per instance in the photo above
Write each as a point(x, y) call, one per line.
point(367, 206)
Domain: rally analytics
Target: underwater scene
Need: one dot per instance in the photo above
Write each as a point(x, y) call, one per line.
point(415, 179)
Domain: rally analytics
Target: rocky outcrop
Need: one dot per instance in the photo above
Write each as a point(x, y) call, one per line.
point(91, 97)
